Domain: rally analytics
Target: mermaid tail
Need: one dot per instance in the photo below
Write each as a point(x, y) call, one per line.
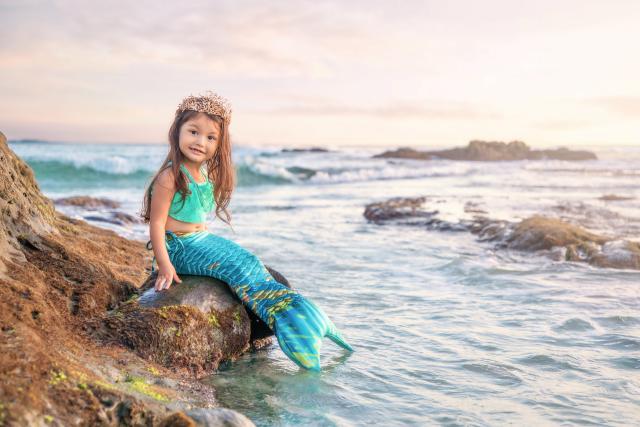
point(300, 328)
point(298, 323)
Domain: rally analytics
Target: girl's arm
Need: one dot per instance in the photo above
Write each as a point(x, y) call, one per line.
point(163, 192)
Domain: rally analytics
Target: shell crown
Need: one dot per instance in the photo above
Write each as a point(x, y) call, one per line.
point(210, 103)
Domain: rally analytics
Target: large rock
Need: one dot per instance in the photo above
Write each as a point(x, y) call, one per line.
point(190, 327)
point(490, 151)
point(538, 233)
point(57, 276)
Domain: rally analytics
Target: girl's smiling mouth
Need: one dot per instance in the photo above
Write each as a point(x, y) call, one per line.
point(195, 150)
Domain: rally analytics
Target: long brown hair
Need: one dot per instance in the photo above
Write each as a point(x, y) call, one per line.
point(220, 168)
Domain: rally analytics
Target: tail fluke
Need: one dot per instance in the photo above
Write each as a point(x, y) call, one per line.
point(300, 328)
point(337, 338)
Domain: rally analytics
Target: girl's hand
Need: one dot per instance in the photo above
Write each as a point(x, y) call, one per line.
point(166, 274)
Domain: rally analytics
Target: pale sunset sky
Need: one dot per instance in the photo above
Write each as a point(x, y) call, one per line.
point(325, 73)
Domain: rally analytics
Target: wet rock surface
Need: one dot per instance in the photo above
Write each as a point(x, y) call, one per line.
point(114, 217)
point(58, 276)
point(87, 202)
point(219, 417)
point(555, 237)
point(408, 211)
point(490, 151)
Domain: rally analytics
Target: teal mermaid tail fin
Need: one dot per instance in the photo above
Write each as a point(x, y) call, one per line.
point(300, 327)
point(337, 338)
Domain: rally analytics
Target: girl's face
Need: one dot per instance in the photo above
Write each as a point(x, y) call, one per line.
point(199, 138)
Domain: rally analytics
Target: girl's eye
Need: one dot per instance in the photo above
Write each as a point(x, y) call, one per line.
point(193, 131)
point(211, 138)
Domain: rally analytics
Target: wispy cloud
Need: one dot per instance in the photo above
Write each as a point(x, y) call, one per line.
point(121, 64)
point(624, 105)
point(560, 125)
point(392, 109)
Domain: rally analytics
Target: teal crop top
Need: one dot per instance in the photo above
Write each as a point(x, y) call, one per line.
point(197, 204)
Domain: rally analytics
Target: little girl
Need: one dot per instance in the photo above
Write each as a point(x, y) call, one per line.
point(197, 175)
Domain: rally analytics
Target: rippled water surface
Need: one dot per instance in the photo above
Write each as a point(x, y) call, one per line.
point(447, 330)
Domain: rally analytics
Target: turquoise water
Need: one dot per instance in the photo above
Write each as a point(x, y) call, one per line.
point(447, 330)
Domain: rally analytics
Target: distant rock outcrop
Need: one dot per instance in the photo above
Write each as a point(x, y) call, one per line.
point(62, 280)
point(490, 151)
point(305, 150)
point(614, 198)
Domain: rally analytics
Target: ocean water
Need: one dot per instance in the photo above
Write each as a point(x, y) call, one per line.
point(447, 330)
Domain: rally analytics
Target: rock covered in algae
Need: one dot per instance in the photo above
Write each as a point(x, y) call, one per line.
point(193, 326)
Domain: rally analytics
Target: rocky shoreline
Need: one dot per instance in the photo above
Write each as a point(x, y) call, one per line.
point(83, 338)
point(554, 237)
point(486, 151)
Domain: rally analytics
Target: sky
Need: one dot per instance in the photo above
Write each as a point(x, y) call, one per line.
point(325, 73)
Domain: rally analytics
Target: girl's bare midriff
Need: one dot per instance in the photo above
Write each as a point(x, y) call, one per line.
point(183, 227)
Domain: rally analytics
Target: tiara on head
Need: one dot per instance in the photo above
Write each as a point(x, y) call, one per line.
point(210, 103)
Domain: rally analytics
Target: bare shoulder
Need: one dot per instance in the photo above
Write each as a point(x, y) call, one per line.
point(166, 179)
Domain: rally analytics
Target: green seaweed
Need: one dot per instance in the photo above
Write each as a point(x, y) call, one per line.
point(140, 385)
point(237, 316)
point(213, 320)
point(132, 298)
point(164, 311)
point(57, 377)
point(105, 385)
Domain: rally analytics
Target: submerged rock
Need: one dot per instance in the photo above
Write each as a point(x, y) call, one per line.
point(397, 207)
point(490, 151)
point(219, 417)
point(558, 238)
point(618, 254)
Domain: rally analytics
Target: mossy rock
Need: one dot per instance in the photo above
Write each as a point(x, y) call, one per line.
point(192, 326)
point(538, 233)
point(203, 298)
